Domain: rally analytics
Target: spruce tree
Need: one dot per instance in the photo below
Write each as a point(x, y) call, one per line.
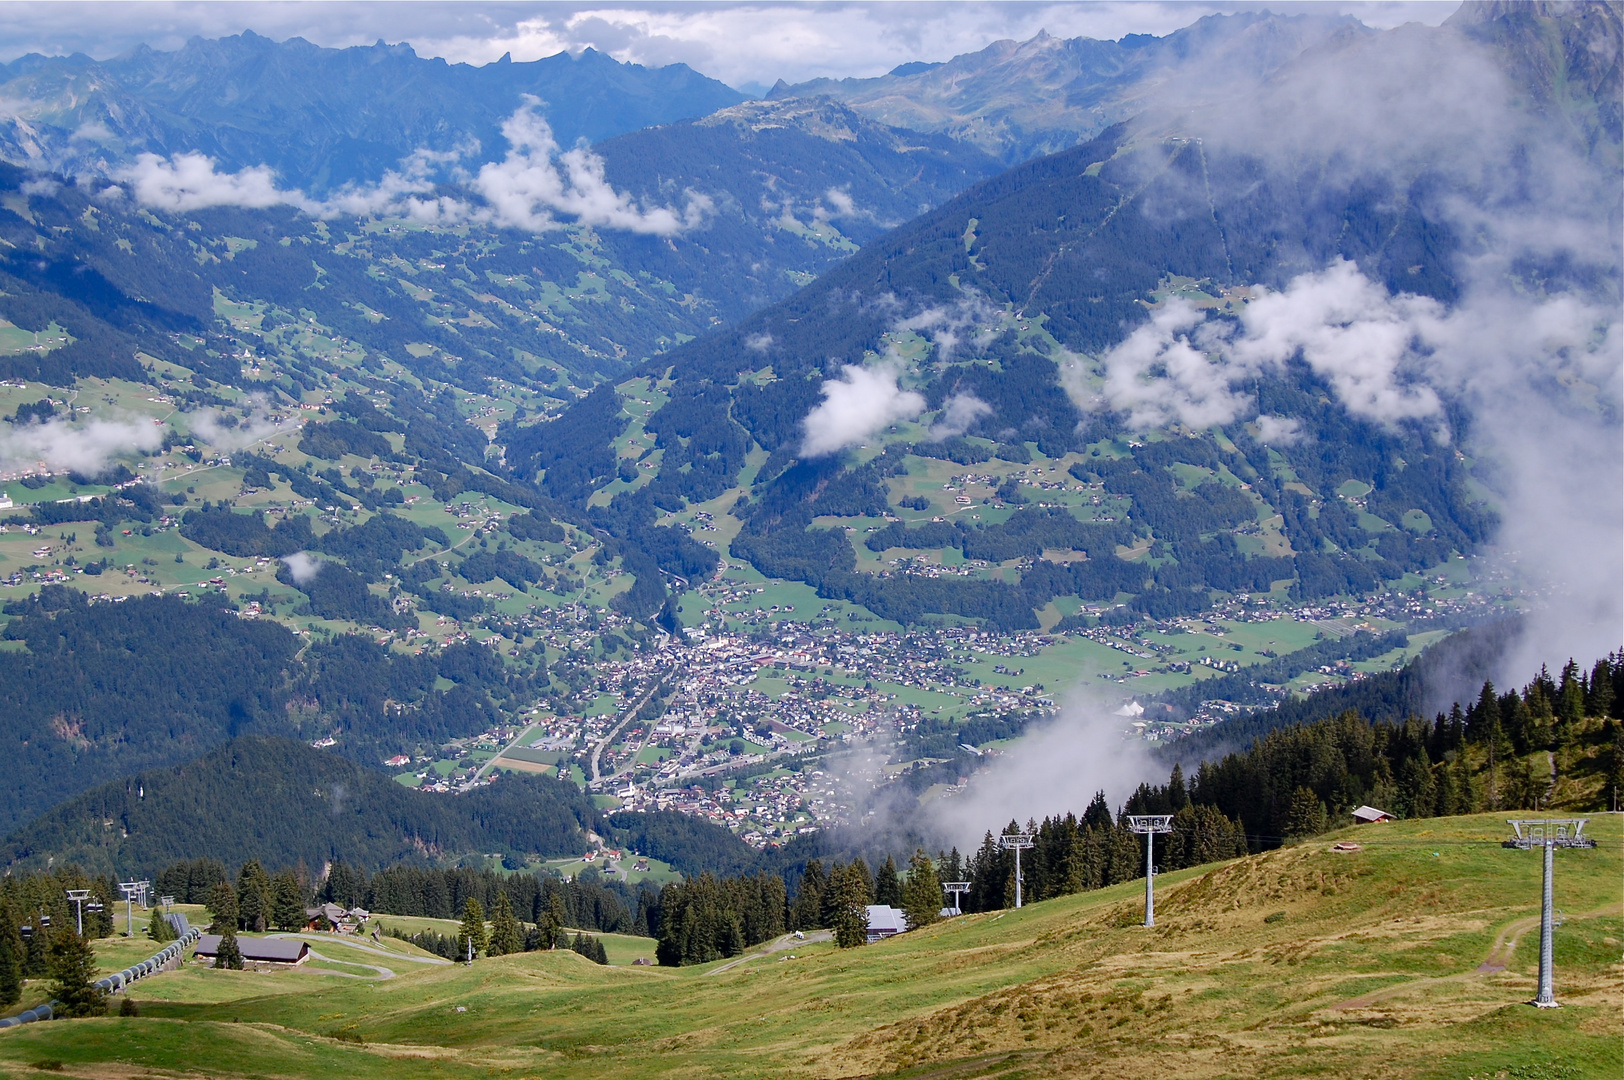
point(254, 897)
point(922, 892)
point(1305, 816)
point(11, 959)
point(849, 890)
point(807, 911)
point(507, 935)
point(551, 921)
point(471, 939)
point(887, 885)
point(227, 954)
point(73, 976)
point(158, 928)
point(222, 905)
point(287, 902)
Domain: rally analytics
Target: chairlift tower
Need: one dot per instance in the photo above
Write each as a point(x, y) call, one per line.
point(1149, 825)
point(957, 888)
point(1547, 834)
point(1016, 842)
point(78, 898)
point(132, 890)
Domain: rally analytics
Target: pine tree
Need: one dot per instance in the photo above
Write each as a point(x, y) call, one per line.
point(222, 905)
point(550, 921)
point(922, 892)
point(1599, 701)
point(471, 934)
point(887, 886)
point(74, 975)
point(849, 888)
point(254, 897)
point(1305, 816)
point(227, 954)
point(507, 935)
point(287, 902)
point(807, 911)
point(158, 928)
point(11, 958)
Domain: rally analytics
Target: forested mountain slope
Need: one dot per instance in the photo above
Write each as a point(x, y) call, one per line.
point(104, 690)
point(1169, 329)
point(790, 189)
point(284, 803)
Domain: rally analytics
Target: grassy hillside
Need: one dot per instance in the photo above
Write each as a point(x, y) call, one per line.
point(1384, 962)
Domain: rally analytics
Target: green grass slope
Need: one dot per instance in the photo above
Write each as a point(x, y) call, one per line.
point(1410, 958)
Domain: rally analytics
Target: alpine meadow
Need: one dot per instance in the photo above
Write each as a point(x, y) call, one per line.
point(985, 539)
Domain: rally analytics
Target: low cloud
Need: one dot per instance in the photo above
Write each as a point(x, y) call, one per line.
point(526, 190)
point(189, 181)
point(1055, 768)
point(959, 413)
point(1279, 431)
point(1164, 373)
point(1385, 356)
point(229, 433)
point(84, 446)
point(948, 326)
point(759, 342)
point(302, 567)
point(859, 404)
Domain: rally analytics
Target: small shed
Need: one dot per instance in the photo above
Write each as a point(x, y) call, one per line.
point(885, 921)
point(287, 951)
point(1369, 815)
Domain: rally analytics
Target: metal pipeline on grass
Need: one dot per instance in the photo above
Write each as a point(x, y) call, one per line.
point(114, 984)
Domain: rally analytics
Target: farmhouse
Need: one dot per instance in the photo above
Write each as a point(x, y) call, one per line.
point(1369, 815)
point(290, 952)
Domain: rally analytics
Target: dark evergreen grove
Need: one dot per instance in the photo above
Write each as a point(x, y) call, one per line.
point(106, 690)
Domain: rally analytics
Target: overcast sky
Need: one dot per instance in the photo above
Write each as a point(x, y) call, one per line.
point(742, 44)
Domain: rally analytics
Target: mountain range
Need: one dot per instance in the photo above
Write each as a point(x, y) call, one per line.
point(320, 117)
point(1057, 335)
point(1016, 100)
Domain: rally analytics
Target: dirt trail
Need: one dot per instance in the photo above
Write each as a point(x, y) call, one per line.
point(1500, 954)
point(780, 944)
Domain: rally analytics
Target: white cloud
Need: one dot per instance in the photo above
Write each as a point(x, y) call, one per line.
point(527, 187)
point(211, 426)
point(522, 191)
point(1384, 355)
point(1368, 344)
point(302, 566)
point(92, 131)
point(855, 406)
point(1279, 431)
point(759, 342)
point(948, 325)
point(1165, 372)
point(1055, 768)
point(959, 412)
point(84, 446)
point(190, 181)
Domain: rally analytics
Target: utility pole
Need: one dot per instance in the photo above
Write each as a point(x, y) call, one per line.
point(1149, 825)
point(957, 888)
point(1016, 842)
point(1547, 834)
